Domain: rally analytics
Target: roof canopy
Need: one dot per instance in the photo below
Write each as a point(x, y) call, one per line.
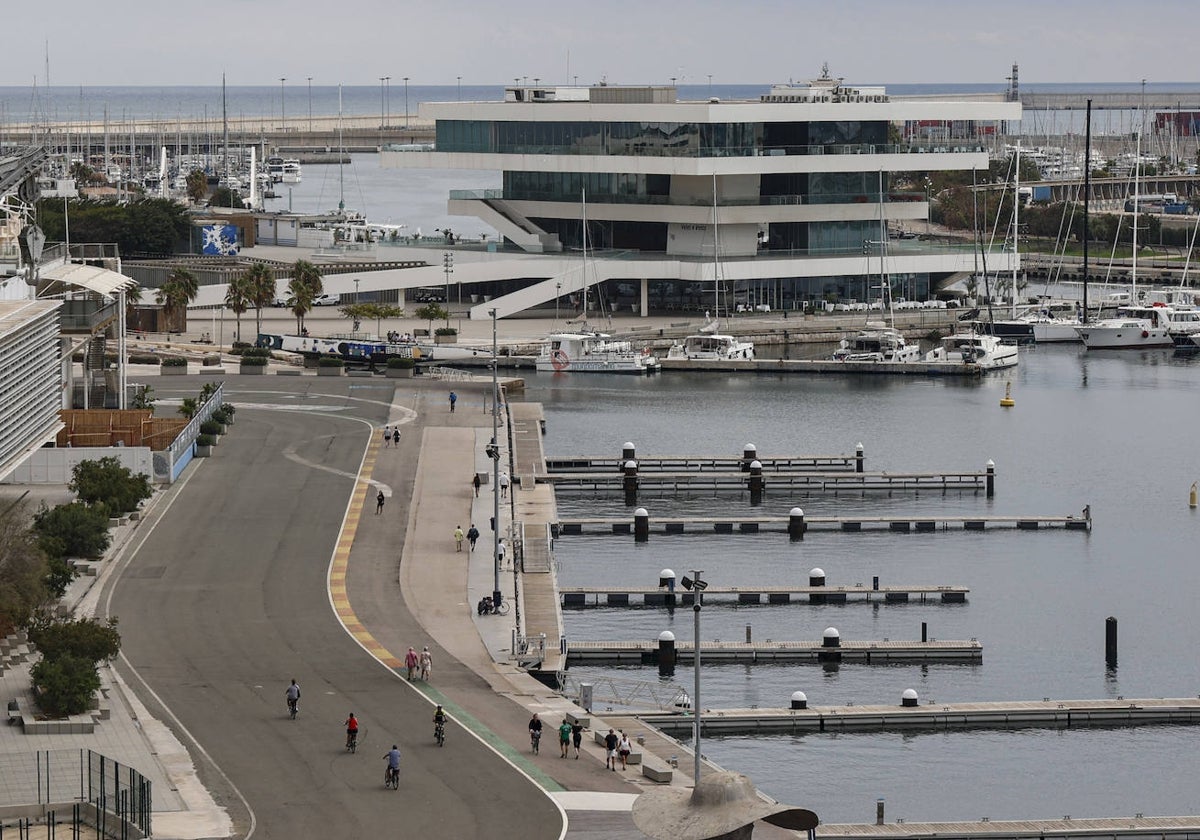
point(90, 277)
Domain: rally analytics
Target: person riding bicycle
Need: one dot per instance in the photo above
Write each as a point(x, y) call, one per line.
point(535, 731)
point(439, 720)
point(393, 764)
point(293, 697)
point(351, 730)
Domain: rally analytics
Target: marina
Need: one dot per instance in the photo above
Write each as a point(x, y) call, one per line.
point(575, 597)
point(713, 483)
point(795, 526)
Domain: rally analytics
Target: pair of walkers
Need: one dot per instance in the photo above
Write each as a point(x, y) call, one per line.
point(569, 734)
point(616, 747)
point(419, 664)
point(472, 536)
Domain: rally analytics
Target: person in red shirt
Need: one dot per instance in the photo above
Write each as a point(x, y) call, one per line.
point(411, 660)
point(351, 731)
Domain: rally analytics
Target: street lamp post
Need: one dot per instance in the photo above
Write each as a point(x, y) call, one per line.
point(282, 106)
point(448, 268)
point(697, 586)
point(309, 78)
point(460, 88)
point(406, 103)
point(710, 85)
point(382, 111)
point(356, 279)
point(494, 452)
point(387, 108)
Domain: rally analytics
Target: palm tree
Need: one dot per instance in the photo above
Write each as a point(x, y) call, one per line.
point(176, 293)
point(237, 298)
point(260, 289)
point(304, 286)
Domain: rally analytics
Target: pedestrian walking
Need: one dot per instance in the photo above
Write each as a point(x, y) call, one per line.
point(426, 660)
point(453, 400)
point(576, 737)
point(472, 535)
point(475, 483)
point(500, 550)
point(396, 437)
point(610, 750)
point(387, 436)
point(504, 485)
point(411, 661)
point(379, 503)
point(458, 538)
point(564, 738)
point(624, 748)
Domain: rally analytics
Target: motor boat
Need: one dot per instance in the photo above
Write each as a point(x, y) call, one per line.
point(984, 351)
point(877, 344)
point(594, 352)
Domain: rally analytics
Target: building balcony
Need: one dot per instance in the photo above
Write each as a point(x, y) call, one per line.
point(619, 149)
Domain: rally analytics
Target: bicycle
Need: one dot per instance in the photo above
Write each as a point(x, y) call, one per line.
point(501, 608)
point(535, 737)
point(293, 708)
point(392, 779)
point(352, 741)
point(439, 733)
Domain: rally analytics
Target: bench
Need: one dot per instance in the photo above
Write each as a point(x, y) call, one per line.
point(662, 775)
point(581, 720)
point(287, 372)
point(14, 712)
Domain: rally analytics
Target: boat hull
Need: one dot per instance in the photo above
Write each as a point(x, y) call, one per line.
point(1124, 338)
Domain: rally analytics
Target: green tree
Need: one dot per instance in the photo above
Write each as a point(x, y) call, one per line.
point(225, 197)
point(379, 311)
point(106, 481)
point(305, 285)
point(188, 407)
point(73, 530)
point(237, 299)
point(23, 569)
point(356, 312)
point(260, 288)
point(65, 685)
point(176, 293)
point(86, 638)
point(432, 312)
point(197, 184)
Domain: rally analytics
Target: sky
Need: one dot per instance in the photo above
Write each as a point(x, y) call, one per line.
point(255, 42)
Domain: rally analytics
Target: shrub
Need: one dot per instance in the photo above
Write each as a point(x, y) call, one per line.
point(144, 359)
point(402, 362)
point(256, 353)
point(107, 481)
point(220, 416)
point(65, 685)
point(330, 362)
point(174, 361)
point(239, 347)
point(59, 575)
point(73, 530)
point(205, 440)
point(210, 428)
point(85, 638)
point(253, 361)
point(445, 331)
point(22, 569)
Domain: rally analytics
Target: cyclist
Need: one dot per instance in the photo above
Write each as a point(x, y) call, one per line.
point(535, 732)
point(439, 722)
point(293, 698)
point(351, 731)
point(392, 771)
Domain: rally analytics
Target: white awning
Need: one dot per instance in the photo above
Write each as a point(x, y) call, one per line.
point(94, 279)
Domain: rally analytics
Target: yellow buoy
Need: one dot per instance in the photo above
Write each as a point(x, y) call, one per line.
point(1192, 496)
point(1007, 401)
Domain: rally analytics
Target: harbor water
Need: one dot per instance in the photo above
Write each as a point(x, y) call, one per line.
point(1113, 431)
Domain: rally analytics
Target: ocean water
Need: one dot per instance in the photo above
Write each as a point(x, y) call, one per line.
point(1115, 431)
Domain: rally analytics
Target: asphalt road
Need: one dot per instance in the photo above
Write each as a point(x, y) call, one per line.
point(226, 601)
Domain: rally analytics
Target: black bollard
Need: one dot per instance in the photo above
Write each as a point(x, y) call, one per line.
point(816, 577)
point(831, 642)
point(756, 483)
point(799, 700)
point(666, 654)
point(991, 478)
point(909, 699)
point(924, 632)
point(1110, 641)
point(641, 525)
point(875, 583)
point(796, 524)
point(858, 458)
point(631, 483)
point(749, 635)
point(749, 454)
point(878, 812)
point(628, 452)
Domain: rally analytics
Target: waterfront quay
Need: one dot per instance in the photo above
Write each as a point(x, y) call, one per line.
point(1056, 714)
point(881, 652)
point(836, 524)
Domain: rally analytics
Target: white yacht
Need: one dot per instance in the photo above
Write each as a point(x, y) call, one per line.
point(712, 347)
point(594, 352)
point(877, 344)
point(1133, 327)
point(985, 351)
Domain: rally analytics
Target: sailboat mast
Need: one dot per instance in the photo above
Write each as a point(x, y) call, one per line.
point(1137, 169)
point(225, 131)
point(1087, 197)
point(583, 217)
point(716, 258)
point(341, 158)
point(1016, 223)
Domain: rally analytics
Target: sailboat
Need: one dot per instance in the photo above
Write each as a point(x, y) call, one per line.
point(1135, 325)
point(711, 345)
point(1012, 329)
point(879, 343)
point(591, 351)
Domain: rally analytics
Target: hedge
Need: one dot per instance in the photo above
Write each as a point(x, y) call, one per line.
point(330, 362)
point(253, 361)
point(402, 362)
point(174, 361)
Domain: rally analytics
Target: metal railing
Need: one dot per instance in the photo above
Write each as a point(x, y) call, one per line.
point(618, 148)
point(632, 694)
point(686, 201)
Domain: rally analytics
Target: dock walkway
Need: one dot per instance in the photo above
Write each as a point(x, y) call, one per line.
point(834, 483)
point(883, 652)
point(845, 524)
point(626, 596)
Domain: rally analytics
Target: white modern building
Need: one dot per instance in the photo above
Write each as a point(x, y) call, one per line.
point(793, 191)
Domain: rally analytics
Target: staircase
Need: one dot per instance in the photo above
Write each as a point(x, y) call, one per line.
point(93, 363)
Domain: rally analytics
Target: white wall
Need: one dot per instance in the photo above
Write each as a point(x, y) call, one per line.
point(53, 465)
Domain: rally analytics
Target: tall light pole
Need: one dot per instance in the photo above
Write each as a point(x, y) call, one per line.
point(448, 268)
point(460, 88)
point(494, 452)
point(387, 109)
point(710, 85)
point(406, 103)
point(382, 111)
point(309, 78)
point(282, 106)
point(697, 586)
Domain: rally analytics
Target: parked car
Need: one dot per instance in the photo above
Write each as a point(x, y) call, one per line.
point(281, 301)
point(325, 300)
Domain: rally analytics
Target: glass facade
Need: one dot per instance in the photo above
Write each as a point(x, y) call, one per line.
point(601, 187)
